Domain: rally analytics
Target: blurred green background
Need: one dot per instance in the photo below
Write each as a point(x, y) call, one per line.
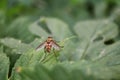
point(24, 12)
point(89, 30)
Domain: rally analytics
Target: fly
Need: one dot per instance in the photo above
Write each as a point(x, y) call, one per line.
point(48, 45)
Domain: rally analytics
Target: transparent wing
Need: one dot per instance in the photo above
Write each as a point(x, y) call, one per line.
point(41, 46)
point(55, 45)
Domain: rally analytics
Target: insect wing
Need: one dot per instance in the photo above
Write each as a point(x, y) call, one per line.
point(41, 46)
point(55, 45)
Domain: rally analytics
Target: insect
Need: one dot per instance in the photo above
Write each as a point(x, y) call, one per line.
point(48, 45)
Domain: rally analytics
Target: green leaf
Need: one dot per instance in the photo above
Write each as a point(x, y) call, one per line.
point(31, 58)
point(1, 50)
point(70, 71)
point(2, 23)
point(56, 73)
point(92, 70)
point(4, 67)
point(36, 29)
point(18, 27)
point(16, 45)
point(92, 29)
point(63, 74)
point(59, 30)
point(94, 35)
point(37, 73)
point(116, 16)
point(110, 56)
point(100, 8)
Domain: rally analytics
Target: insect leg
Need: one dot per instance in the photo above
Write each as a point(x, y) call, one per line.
point(55, 54)
point(44, 56)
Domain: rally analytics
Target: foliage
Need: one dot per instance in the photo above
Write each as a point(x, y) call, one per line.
point(89, 32)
